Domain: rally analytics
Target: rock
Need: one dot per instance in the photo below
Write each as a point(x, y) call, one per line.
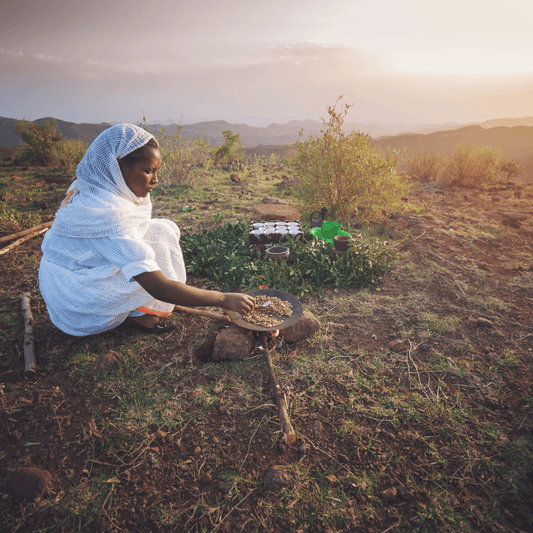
point(273, 212)
point(397, 345)
point(472, 322)
point(484, 323)
point(223, 487)
point(28, 482)
point(405, 494)
point(105, 364)
point(513, 220)
point(343, 458)
point(235, 178)
point(304, 328)
point(389, 494)
point(233, 343)
point(276, 478)
point(274, 201)
point(398, 224)
point(396, 235)
point(317, 426)
point(303, 448)
point(205, 479)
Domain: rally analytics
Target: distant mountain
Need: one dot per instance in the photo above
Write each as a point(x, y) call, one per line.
point(514, 136)
point(85, 133)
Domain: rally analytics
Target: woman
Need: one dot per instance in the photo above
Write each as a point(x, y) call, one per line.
point(105, 261)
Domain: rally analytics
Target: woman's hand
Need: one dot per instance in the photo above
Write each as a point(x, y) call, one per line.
point(240, 303)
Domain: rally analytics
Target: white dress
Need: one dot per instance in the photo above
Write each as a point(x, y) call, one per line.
point(88, 284)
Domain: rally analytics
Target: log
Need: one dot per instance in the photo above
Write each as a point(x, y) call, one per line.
point(201, 312)
point(30, 365)
point(20, 241)
point(25, 232)
point(286, 426)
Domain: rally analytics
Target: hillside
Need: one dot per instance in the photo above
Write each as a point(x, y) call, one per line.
point(412, 403)
point(516, 142)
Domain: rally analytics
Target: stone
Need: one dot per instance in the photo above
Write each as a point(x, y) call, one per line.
point(484, 323)
point(332, 480)
point(276, 478)
point(105, 364)
point(274, 201)
point(233, 343)
point(317, 426)
point(397, 345)
point(28, 482)
point(405, 494)
point(389, 494)
point(472, 322)
point(304, 328)
point(513, 220)
point(273, 212)
point(396, 235)
point(235, 178)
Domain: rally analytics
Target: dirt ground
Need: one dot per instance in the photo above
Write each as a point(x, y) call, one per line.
point(399, 401)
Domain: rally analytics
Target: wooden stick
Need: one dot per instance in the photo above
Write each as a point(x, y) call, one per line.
point(20, 241)
point(201, 312)
point(29, 353)
point(286, 426)
point(25, 232)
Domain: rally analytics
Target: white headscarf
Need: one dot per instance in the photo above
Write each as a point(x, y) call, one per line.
point(99, 203)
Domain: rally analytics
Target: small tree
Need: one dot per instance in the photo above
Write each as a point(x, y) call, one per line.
point(48, 147)
point(232, 148)
point(510, 168)
point(425, 165)
point(341, 171)
point(468, 167)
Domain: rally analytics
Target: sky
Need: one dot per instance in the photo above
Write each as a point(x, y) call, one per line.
point(258, 62)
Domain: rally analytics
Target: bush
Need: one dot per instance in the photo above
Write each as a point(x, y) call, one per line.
point(341, 171)
point(231, 149)
point(48, 147)
point(468, 167)
point(181, 157)
point(425, 165)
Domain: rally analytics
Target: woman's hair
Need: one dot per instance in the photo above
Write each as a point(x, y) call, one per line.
point(142, 152)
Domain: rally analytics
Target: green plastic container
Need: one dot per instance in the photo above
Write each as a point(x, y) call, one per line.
point(330, 229)
point(318, 234)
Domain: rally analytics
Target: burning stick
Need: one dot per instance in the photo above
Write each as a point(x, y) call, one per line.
point(29, 353)
point(286, 426)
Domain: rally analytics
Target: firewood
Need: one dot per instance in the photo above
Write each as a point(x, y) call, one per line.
point(20, 241)
point(25, 232)
point(29, 353)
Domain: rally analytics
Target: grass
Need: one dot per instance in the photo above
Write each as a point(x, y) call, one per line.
point(446, 423)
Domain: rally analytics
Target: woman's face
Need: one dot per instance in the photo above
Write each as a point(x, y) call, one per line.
point(141, 177)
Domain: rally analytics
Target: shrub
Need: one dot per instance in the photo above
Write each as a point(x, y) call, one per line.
point(232, 148)
point(425, 165)
point(341, 170)
point(510, 168)
point(48, 147)
point(468, 167)
point(181, 157)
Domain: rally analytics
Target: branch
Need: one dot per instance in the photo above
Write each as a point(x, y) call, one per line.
point(29, 353)
point(25, 232)
point(20, 241)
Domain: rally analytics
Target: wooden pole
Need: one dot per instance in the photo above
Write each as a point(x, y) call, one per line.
point(286, 426)
point(29, 353)
point(201, 312)
point(20, 241)
point(25, 232)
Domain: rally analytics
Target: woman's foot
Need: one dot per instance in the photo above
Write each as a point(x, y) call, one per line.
point(150, 323)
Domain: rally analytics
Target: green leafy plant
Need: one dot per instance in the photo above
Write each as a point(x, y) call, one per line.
point(227, 260)
point(342, 171)
point(231, 149)
point(48, 147)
